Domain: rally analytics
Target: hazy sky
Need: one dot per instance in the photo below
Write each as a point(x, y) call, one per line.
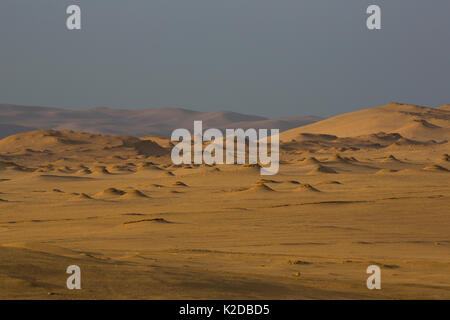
point(266, 57)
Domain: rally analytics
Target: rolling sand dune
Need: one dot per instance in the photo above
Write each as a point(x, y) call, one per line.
point(410, 121)
point(368, 187)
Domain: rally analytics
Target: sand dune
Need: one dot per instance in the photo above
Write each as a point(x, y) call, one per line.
point(52, 140)
point(149, 166)
point(338, 158)
point(364, 188)
point(410, 121)
point(316, 143)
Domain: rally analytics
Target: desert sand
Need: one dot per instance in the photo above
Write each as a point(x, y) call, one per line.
point(368, 187)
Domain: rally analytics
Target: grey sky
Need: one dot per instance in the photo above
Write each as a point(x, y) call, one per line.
point(266, 57)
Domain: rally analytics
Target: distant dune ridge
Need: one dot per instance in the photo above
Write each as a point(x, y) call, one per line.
point(390, 127)
point(155, 121)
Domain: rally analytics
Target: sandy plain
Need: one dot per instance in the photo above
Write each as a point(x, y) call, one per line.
point(346, 197)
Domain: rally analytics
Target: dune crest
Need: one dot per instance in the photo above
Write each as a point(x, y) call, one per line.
point(413, 122)
point(134, 194)
point(436, 167)
point(322, 169)
point(306, 188)
point(110, 192)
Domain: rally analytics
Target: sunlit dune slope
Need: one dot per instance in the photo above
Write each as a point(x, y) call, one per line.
point(412, 122)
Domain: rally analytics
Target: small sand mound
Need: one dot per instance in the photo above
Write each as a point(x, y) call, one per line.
point(120, 168)
point(7, 165)
point(436, 167)
point(101, 170)
point(260, 187)
point(64, 169)
point(167, 174)
point(253, 165)
point(322, 169)
point(134, 194)
point(390, 158)
point(58, 191)
point(310, 160)
point(2, 200)
point(157, 220)
point(82, 196)
point(180, 184)
point(173, 191)
point(294, 182)
point(84, 171)
point(148, 166)
point(111, 192)
point(337, 158)
point(386, 171)
point(250, 168)
point(267, 181)
point(330, 182)
point(445, 158)
point(306, 188)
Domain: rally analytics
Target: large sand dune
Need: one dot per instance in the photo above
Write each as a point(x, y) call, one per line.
point(370, 187)
point(413, 122)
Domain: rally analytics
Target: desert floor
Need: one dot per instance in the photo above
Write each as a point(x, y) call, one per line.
point(141, 229)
